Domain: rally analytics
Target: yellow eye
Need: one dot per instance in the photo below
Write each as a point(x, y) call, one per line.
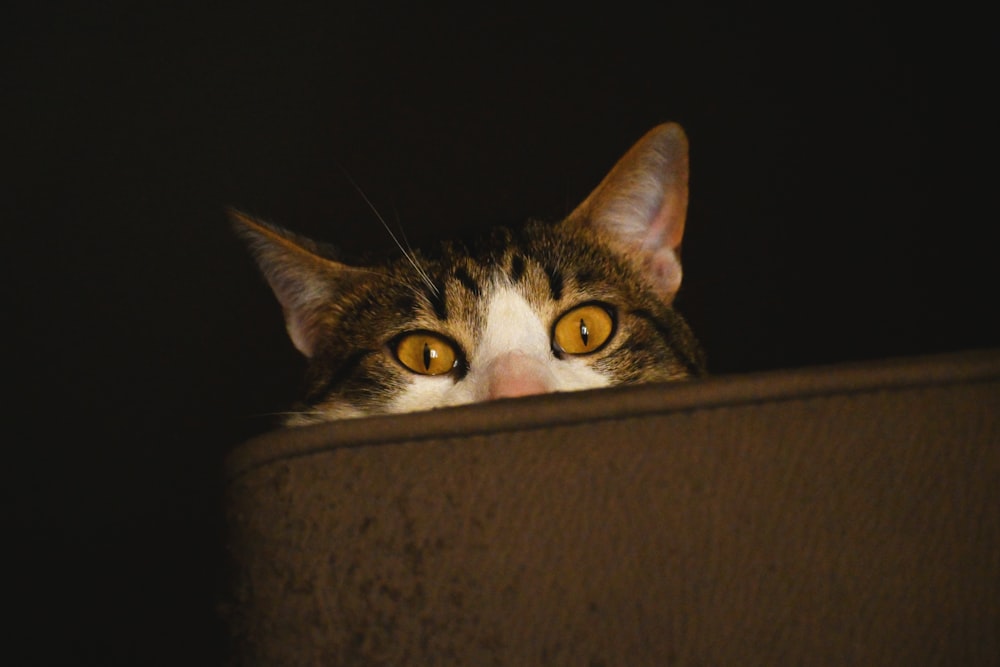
point(584, 329)
point(425, 353)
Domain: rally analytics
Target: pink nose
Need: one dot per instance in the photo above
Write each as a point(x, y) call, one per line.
point(516, 374)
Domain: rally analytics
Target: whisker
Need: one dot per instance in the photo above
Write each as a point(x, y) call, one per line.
point(408, 255)
point(399, 226)
point(424, 276)
point(282, 414)
point(316, 415)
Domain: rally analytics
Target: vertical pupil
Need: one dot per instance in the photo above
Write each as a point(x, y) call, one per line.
point(428, 355)
point(584, 332)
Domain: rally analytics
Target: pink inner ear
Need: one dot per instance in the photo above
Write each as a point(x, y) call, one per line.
point(659, 247)
point(666, 229)
point(298, 331)
point(664, 270)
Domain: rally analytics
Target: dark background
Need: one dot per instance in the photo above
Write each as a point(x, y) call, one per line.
point(835, 153)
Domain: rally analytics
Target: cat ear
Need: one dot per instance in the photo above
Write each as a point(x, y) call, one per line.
point(304, 281)
point(640, 206)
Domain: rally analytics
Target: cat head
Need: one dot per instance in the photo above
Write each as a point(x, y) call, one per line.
point(583, 303)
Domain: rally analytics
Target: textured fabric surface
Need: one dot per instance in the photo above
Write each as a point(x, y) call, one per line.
point(843, 515)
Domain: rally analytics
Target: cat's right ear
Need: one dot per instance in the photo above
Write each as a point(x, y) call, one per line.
point(305, 283)
point(641, 205)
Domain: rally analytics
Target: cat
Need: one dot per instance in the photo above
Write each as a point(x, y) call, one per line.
point(580, 304)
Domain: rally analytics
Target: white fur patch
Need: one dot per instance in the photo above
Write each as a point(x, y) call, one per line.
point(512, 325)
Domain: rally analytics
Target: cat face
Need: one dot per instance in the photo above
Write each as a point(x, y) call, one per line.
point(581, 304)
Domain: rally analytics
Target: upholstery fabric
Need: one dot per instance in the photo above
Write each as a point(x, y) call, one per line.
point(818, 516)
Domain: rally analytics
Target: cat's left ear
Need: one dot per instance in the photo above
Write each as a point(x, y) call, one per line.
point(641, 205)
point(306, 283)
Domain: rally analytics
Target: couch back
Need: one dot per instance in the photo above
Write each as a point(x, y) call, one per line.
point(835, 515)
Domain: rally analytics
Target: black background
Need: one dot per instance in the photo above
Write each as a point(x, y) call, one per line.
point(835, 153)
